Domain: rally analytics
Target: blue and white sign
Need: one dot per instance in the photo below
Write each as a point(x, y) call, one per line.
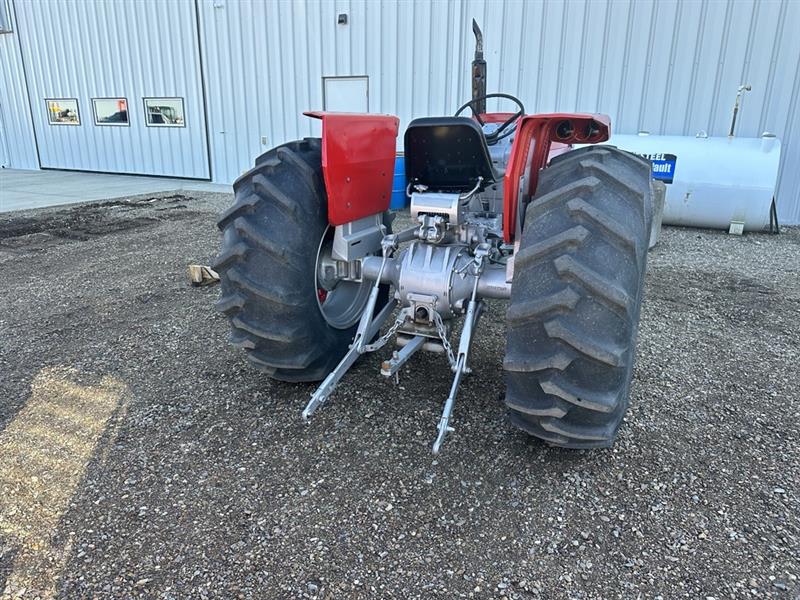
point(663, 166)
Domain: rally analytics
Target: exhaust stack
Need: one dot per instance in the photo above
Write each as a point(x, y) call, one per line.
point(478, 70)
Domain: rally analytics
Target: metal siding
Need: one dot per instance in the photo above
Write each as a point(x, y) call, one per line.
point(88, 49)
point(782, 114)
point(265, 62)
point(16, 128)
point(669, 67)
point(4, 161)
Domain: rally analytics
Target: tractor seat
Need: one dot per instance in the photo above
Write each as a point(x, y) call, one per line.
point(448, 154)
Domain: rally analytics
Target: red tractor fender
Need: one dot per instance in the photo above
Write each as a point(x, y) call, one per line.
point(533, 141)
point(358, 155)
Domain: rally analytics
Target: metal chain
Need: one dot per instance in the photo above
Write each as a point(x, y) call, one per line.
point(437, 319)
point(401, 319)
point(381, 341)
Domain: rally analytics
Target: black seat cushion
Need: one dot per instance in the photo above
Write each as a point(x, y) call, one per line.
point(447, 154)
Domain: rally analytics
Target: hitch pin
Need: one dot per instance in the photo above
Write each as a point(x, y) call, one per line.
point(393, 365)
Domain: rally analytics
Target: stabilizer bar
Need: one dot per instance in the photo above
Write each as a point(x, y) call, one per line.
point(368, 328)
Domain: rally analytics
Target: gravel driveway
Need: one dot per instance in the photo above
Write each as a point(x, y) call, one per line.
point(141, 457)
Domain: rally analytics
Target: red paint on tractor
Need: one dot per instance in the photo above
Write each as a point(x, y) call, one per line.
point(358, 154)
point(535, 136)
point(498, 117)
point(556, 148)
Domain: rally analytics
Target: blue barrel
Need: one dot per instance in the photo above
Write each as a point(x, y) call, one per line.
point(399, 199)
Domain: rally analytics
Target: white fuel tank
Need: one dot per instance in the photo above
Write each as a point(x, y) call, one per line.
point(712, 181)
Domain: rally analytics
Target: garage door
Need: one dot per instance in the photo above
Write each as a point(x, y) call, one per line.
point(116, 86)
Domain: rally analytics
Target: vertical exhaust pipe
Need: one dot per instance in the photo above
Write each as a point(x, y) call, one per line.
point(478, 70)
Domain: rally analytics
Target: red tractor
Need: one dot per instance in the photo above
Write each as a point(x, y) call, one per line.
point(503, 207)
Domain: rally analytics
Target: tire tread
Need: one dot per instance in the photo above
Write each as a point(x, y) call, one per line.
point(576, 297)
point(270, 242)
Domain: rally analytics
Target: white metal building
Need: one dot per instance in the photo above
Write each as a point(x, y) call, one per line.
point(197, 88)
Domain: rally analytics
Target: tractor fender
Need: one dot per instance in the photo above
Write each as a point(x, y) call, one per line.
point(358, 156)
point(531, 151)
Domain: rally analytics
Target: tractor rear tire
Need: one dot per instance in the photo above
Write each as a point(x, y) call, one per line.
point(267, 266)
point(576, 297)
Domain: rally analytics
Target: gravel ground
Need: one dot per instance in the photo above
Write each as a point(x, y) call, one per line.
point(196, 478)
